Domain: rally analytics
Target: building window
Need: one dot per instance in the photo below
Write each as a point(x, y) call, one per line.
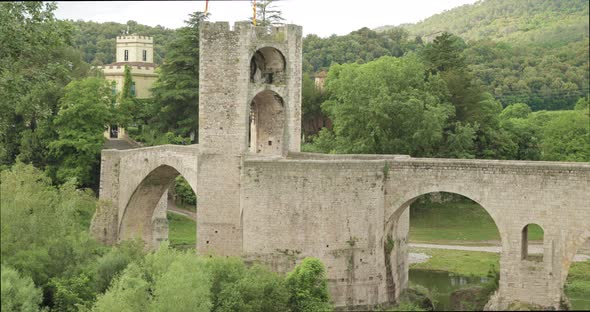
point(133, 88)
point(144, 55)
point(126, 55)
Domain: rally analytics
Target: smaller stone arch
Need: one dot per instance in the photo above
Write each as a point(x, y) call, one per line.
point(526, 252)
point(267, 123)
point(267, 65)
point(136, 221)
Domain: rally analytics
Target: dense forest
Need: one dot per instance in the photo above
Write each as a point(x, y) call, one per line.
point(532, 52)
point(96, 41)
point(498, 79)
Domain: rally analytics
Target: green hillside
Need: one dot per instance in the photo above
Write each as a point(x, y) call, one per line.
point(544, 22)
point(523, 51)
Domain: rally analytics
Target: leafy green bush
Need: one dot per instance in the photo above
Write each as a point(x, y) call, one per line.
point(167, 280)
point(44, 228)
point(257, 289)
point(109, 265)
point(308, 287)
point(18, 292)
point(132, 131)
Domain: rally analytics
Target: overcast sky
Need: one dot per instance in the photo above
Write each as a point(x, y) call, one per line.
point(321, 17)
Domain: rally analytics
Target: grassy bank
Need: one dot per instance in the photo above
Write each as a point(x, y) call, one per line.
point(577, 285)
point(182, 231)
point(467, 263)
point(455, 223)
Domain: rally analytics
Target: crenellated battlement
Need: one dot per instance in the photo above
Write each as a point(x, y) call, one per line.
point(240, 26)
point(135, 38)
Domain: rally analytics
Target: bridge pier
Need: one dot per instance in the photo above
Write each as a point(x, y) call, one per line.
point(105, 222)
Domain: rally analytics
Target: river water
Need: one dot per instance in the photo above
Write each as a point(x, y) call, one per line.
point(442, 284)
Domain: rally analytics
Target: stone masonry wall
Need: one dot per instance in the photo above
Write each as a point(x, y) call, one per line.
point(329, 210)
point(302, 207)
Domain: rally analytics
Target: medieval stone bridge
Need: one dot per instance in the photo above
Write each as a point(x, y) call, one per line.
point(261, 199)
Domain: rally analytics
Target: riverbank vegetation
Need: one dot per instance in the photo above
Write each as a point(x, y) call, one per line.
point(50, 261)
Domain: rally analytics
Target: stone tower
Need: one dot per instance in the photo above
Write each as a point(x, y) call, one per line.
point(250, 88)
point(134, 48)
point(136, 52)
point(249, 104)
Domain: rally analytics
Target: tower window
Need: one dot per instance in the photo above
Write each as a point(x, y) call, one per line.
point(133, 88)
point(126, 55)
point(144, 55)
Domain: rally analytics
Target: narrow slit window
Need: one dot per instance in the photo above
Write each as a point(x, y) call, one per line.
point(144, 55)
point(126, 55)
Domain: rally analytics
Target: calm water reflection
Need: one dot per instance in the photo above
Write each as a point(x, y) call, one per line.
point(442, 284)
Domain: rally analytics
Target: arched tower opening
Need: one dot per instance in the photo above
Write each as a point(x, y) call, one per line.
point(267, 66)
point(267, 123)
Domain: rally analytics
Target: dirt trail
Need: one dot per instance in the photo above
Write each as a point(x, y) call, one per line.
point(420, 257)
point(187, 213)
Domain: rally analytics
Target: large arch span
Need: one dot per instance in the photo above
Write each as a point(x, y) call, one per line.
point(133, 184)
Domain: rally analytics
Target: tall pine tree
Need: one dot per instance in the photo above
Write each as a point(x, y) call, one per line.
point(176, 92)
point(267, 14)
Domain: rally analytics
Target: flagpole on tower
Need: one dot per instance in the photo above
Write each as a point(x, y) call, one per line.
point(206, 6)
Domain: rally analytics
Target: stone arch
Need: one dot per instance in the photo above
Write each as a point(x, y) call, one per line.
point(267, 65)
point(525, 252)
point(571, 249)
point(397, 225)
point(395, 207)
point(136, 220)
point(267, 123)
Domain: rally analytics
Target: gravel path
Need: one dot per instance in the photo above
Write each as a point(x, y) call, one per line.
point(172, 208)
point(421, 257)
